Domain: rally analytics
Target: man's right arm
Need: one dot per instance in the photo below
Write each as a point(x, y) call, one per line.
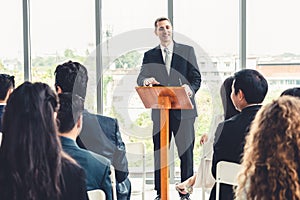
point(143, 72)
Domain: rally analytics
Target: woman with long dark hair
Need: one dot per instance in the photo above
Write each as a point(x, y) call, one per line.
point(32, 163)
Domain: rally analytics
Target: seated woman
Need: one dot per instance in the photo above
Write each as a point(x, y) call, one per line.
point(32, 163)
point(208, 140)
point(270, 167)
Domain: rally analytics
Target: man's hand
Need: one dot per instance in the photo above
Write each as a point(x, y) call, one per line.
point(188, 90)
point(150, 81)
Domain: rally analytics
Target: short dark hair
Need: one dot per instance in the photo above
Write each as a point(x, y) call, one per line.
point(252, 84)
point(71, 77)
point(159, 20)
point(70, 110)
point(6, 82)
point(292, 92)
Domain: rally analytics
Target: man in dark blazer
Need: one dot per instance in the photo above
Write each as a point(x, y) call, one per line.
point(7, 85)
point(96, 167)
point(99, 134)
point(172, 64)
point(249, 89)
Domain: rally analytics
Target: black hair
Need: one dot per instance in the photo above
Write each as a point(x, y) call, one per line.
point(6, 82)
point(70, 110)
point(252, 84)
point(72, 77)
point(159, 20)
point(292, 92)
point(225, 91)
point(30, 153)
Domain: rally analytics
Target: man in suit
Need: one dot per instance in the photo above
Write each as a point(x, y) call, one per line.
point(172, 64)
point(99, 134)
point(7, 85)
point(96, 167)
point(249, 89)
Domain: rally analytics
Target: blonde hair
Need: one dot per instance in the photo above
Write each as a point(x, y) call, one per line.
point(271, 153)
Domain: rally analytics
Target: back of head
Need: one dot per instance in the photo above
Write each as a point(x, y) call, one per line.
point(6, 82)
point(271, 154)
point(292, 92)
point(225, 91)
point(30, 151)
point(252, 84)
point(72, 77)
point(70, 110)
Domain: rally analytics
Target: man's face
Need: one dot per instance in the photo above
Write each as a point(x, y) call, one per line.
point(164, 31)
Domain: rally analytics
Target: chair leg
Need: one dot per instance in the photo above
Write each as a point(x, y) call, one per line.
point(217, 190)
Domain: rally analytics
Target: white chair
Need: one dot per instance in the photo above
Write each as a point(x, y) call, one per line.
point(96, 194)
point(113, 182)
point(135, 153)
point(227, 173)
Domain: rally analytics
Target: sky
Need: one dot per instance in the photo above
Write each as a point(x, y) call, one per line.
point(272, 25)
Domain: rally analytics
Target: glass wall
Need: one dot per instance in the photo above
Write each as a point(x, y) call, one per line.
point(212, 28)
point(128, 31)
point(62, 31)
point(11, 39)
point(273, 43)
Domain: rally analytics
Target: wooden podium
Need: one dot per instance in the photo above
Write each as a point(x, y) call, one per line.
point(164, 98)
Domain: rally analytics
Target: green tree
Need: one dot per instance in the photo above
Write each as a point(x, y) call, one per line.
point(69, 53)
point(128, 60)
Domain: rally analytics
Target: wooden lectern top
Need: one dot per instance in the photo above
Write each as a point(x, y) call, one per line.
point(177, 95)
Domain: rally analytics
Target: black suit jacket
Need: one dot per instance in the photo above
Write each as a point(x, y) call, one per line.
point(229, 144)
point(73, 182)
point(184, 70)
point(1, 114)
point(100, 134)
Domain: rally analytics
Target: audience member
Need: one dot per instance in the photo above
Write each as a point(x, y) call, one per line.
point(99, 134)
point(96, 167)
point(7, 85)
point(207, 140)
point(249, 89)
point(270, 166)
point(32, 163)
point(292, 92)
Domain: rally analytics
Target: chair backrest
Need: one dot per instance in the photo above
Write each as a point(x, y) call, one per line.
point(136, 156)
point(96, 194)
point(227, 173)
point(113, 182)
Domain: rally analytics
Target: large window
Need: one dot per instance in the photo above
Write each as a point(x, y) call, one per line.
point(273, 42)
point(211, 27)
point(127, 33)
point(62, 31)
point(11, 39)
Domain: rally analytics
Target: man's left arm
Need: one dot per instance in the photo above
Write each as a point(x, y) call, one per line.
point(194, 76)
